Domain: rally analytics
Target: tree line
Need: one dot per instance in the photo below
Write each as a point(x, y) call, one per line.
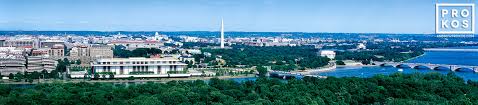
point(121, 52)
point(398, 88)
point(284, 58)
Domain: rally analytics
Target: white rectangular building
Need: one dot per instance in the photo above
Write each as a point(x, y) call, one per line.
point(327, 53)
point(139, 67)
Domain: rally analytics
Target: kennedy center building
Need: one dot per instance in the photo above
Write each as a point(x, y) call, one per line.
point(139, 67)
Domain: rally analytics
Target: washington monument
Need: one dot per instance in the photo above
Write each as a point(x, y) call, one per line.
point(222, 33)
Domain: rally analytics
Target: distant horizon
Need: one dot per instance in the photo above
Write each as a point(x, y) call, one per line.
point(330, 16)
point(203, 31)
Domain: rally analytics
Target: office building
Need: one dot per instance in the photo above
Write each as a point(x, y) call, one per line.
point(19, 43)
point(40, 63)
point(12, 60)
point(100, 51)
point(57, 52)
point(51, 43)
point(134, 44)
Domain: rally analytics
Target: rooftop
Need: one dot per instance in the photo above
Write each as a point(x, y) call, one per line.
point(139, 59)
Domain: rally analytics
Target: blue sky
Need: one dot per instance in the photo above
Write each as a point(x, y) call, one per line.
point(351, 16)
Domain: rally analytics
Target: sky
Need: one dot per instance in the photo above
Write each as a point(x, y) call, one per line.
point(343, 16)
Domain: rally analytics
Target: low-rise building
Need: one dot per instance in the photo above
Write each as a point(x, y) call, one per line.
point(100, 51)
point(22, 42)
point(140, 67)
point(57, 51)
point(40, 52)
point(12, 60)
point(133, 44)
point(361, 46)
point(50, 43)
point(187, 59)
point(81, 53)
point(327, 53)
point(40, 63)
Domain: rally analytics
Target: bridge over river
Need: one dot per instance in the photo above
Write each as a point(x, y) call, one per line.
point(449, 49)
point(429, 66)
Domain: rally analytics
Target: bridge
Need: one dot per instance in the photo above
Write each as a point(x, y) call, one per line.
point(429, 66)
point(448, 49)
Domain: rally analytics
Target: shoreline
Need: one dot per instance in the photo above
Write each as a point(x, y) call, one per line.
point(160, 80)
point(414, 57)
point(331, 67)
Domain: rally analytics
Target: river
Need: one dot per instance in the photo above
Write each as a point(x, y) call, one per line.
point(435, 57)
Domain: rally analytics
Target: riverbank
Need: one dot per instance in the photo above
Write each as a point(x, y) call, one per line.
point(158, 80)
point(329, 67)
point(413, 58)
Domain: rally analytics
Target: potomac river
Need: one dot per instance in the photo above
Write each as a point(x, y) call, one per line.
point(434, 57)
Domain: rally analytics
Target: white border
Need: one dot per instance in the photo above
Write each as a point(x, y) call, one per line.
point(455, 32)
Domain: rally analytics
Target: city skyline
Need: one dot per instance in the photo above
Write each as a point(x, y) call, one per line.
point(345, 16)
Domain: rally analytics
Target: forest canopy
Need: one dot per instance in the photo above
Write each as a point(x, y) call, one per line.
point(432, 88)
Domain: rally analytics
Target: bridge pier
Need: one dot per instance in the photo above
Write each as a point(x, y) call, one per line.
point(453, 68)
point(431, 67)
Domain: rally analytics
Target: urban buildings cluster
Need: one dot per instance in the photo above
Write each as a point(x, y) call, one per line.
point(30, 53)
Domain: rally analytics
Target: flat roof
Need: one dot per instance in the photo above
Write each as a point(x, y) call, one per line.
point(139, 59)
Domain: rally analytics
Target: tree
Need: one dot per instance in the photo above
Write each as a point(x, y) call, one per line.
point(96, 76)
point(30, 80)
point(130, 78)
point(286, 58)
point(262, 71)
point(190, 63)
point(18, 77)
point(366, 62)
point(111, 76)
point(44, 73)
point(61, 66)
point(66, 61)
point(381, 89)
point(54, 74)
point(145, 100)
point(10, 76)
point(78, 62)
point(339, 62)
point(86, 76)
point(119, 51)
point(35, 75)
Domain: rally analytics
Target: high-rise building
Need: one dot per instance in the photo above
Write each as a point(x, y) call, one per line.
point(222, 33)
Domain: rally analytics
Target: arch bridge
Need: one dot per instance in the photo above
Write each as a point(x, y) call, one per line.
point(429, 66)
